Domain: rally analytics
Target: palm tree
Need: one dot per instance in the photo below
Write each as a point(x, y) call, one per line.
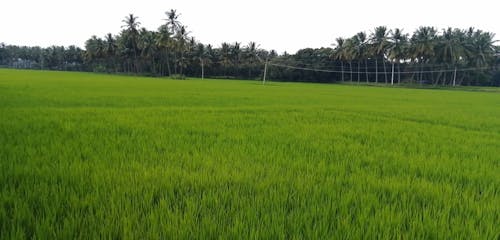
point(200, 54)
point(356, 51)
point(210, 56)
point(110, 49)
point(251, 53)
point(181, 39)
point(173, 25)
point(339, 53)
point(397, 50)
point(480, 50)
point(380, 43)
point(362, 47)
point(450, 50)
point(94, 53)
point(147, 48)
point(350, 53)
point(225, 54)
point(423, 46)
point(131, 37)
point(163, 43)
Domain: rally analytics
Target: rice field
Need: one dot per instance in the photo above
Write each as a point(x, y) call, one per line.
point(89, 156)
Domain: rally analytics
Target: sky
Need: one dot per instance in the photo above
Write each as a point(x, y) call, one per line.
point(273, 24)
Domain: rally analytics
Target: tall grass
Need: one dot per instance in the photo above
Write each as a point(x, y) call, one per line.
point(86, 156)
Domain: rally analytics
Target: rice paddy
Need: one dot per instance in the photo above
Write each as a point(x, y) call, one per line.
point(89, 156)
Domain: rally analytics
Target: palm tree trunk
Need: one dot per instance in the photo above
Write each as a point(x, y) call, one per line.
point(168, 64)
point(392, 74)
point(225, 67)
point(250, 70)
point(385, 70)
point(444, 79)
point(455, 76)
point(342, 64)
point(358, 72)
point(366, 70)
point(153, 69)
point(202, 69)
point(350, 68)
point(399, 73)
point(421, 73)
point(461, 78)
point(181, 63)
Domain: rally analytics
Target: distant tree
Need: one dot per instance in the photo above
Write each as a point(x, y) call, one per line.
point(380, 43)
point(339, 53)
point(362, 52)
point(173, 25)
point(423, 43)
point(110, 49)
point(131, 35)
point(398, 48)
point(226, 57)
point(251, 57)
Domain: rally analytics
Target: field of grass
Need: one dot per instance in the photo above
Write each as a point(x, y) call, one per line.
point(99, 156)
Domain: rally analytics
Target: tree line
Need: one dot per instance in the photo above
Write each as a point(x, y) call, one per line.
point(52, 58)
point(450, 57)
point(427, 56)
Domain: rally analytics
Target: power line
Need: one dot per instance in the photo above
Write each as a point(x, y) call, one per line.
point(380, 72)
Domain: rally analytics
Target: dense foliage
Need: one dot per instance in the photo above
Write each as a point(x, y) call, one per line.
point(451, 56)
point(52, 58)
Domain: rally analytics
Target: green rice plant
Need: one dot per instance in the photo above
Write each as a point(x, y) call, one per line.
point(88, 156)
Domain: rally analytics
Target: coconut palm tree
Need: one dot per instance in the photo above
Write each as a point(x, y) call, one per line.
point(380, 43)
point(362, 52)
point(350, 53)
point(110, 48)
point(236, 57)
point(163, 43)
point(147, 48)
point(131, 35)
point(94, 53)
point(226, 56)
point(173, 25)
point(339, 53)
point(482, 48)
point(181, 38)
point(357, 54)
point(450, 50)
point(480, 51)
point(251, 53)
point(423, 43)
point(397, 50)
point(200, 54)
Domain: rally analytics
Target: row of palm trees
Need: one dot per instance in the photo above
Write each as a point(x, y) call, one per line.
point(170, 51)
point(427, 54)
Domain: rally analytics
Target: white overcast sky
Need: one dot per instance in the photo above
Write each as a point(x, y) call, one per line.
point(280, 25)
